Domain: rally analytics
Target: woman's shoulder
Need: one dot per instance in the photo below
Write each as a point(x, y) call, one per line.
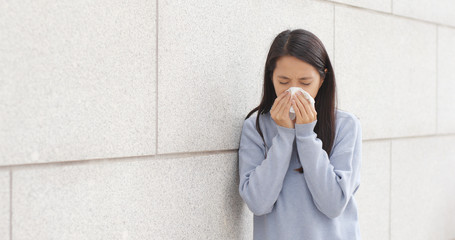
point(348, 130)
point(264, 121)
point(345, 114)
point(346, 119)
point(253, 118)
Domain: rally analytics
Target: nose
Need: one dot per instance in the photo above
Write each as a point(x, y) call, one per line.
point(296, 84)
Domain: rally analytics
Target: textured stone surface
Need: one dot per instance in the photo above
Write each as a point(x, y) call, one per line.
point(77, 80)
point(4, 204)
point(183, 198)
point(211, 62)
point(386, 72)
point(440, 11)
point(446, 80)
point(373, 196)
point(379, 5)
point(423, 188)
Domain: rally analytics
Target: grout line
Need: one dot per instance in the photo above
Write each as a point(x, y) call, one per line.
point(175, 155)
point(410, 137)
point(11, 204)
point(391, 6)
point(189, 154)
point(394, 15)
point(156, 77)
point(163, 156)
point(390, 192)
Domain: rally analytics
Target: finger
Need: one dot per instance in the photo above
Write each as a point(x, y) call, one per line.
point(298, 112)
point(306, 104)
point(282, 95)
point(278, 99)
point(282, 105)
point(287, 106)
point(315, 114)
point(311, 110)
point(272, 109)
point(302, 110)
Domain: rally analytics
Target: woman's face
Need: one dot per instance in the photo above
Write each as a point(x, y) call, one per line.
point(293, 72)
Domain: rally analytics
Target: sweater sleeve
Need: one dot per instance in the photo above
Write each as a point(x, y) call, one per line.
point(261, 179)
point(332, 181)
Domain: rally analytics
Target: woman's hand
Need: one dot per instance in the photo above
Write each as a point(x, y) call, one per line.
point(280, 110)
point(304, 111)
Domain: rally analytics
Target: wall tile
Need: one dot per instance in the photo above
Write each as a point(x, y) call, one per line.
point(211, 63)
point(440, 11)
point(423, 188)
point(381, 5)
point(373, 196)
point(170, 198)
point(446, 80)
point(386, 72)
point(4, 204)
point(78, 80)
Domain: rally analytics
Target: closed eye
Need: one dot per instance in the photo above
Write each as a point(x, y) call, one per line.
point(302, 83)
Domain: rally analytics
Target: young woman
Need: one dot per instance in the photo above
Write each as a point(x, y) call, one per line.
point(299, 176)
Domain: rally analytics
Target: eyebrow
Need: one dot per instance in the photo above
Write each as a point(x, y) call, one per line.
point(303, 78)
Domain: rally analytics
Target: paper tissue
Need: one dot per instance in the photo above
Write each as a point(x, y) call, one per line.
point(293, 90)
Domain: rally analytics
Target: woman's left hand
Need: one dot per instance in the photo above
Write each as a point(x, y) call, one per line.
point(304, 111)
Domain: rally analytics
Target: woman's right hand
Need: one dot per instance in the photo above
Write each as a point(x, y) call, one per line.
point(280, 110)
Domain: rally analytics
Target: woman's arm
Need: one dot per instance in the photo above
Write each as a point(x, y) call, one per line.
point(332, 181)
point(261, 179)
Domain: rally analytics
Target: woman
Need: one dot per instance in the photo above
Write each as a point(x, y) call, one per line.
point(299, 176)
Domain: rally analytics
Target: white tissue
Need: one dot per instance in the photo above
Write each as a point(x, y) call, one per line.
point(293, 90)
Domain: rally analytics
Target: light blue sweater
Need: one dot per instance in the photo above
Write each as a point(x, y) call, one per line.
point(316, 205)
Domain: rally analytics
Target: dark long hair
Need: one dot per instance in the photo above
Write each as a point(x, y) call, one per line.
point(307, 47)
